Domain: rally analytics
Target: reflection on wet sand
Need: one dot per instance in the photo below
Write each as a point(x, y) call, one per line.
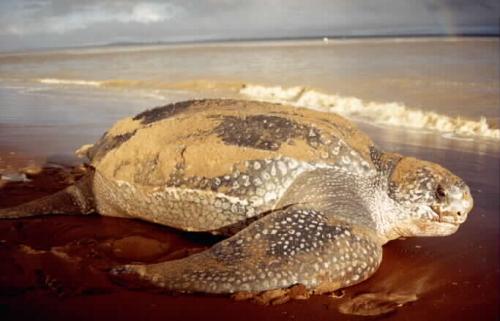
point(58, 266)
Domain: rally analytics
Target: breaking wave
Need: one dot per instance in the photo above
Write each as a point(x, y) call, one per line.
point(394, 114)
point(382, 113)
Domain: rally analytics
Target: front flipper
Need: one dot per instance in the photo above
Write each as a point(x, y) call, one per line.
point(294, 245)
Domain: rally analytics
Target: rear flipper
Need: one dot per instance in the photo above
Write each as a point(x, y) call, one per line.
point(296, 245)
point(75, 199)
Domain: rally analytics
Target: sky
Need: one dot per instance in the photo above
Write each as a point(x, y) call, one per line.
point(31, 24)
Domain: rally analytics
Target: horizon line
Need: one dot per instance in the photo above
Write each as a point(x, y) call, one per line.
point(251, 39)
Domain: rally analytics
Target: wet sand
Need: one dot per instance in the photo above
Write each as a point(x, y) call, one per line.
point(55, 267)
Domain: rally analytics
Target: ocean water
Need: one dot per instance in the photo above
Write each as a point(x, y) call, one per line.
point(440, 88)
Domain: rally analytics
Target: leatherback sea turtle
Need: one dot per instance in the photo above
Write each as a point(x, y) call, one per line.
point(306, 197)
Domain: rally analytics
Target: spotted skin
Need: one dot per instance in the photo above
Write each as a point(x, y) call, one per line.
point(311, 239)
point(339, 192)
point(204, 208)
point(292, 246)
point(229, 201)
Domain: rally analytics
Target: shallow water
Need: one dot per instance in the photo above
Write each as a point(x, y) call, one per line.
point(418, 72)
point(57, 266)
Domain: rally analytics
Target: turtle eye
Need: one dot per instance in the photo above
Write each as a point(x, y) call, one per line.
point(440, 193)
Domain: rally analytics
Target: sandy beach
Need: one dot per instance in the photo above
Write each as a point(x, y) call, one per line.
point(51, 103)
point(57, 266)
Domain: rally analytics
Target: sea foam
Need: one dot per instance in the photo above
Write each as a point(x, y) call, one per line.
point(379, 113)
point(76, 82)
point(394, 114)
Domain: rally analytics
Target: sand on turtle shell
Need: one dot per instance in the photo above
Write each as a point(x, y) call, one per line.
point(188, 140)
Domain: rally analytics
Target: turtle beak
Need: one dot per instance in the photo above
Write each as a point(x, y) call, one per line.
point(457, 204)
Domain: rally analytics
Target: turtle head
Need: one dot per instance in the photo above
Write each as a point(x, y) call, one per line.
point(434, 200)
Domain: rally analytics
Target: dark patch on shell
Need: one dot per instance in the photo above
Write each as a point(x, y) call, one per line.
point(159, 113)
point(264, 131)
point(107, 143)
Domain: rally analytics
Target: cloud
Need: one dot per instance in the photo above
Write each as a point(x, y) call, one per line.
point(39, 17)
point(48, 23)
